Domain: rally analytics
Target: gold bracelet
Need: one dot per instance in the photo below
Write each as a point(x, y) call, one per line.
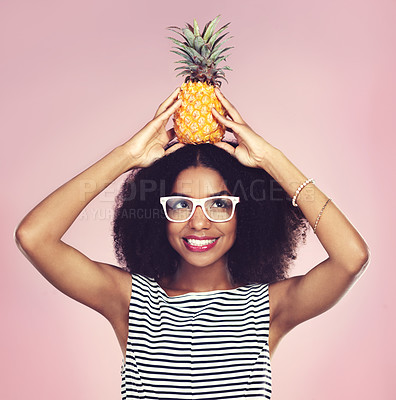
point(320, 214)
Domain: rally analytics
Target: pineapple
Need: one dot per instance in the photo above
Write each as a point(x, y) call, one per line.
point(201, 54)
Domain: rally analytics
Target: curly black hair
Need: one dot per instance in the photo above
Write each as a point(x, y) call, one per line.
point(269, 228)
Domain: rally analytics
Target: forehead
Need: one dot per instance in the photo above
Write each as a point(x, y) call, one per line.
point(199, 182)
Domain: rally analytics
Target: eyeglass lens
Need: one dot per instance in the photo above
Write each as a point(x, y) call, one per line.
point(218, 209)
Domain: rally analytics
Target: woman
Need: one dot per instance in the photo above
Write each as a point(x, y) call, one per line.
point(193, 317)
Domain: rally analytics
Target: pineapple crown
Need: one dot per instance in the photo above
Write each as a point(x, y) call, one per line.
point(202, 53)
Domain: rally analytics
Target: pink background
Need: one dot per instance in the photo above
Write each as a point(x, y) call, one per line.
point(315, 78)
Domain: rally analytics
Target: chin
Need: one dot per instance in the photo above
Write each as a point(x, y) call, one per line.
point(203, 259)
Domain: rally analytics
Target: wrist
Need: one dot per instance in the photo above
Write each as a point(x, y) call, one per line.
point(284, 172)
point(123, 155)
point(271, 158)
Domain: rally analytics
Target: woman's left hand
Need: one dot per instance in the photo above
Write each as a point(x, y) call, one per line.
point(252, 149)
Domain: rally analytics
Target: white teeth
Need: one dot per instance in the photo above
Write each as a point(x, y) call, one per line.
point(195, 242)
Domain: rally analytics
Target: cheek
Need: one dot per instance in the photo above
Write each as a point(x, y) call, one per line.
point(231, 230)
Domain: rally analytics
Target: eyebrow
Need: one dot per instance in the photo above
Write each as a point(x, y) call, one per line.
point(222, 193)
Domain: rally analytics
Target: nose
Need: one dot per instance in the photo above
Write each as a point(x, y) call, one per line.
point(198, 220)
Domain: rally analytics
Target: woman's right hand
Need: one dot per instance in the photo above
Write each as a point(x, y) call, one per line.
point(98, 285)
point(148, 144)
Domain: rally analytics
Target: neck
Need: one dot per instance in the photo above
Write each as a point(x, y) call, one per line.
point(190, 278)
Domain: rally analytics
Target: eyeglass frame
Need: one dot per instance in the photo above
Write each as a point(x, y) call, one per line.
point(199, 202)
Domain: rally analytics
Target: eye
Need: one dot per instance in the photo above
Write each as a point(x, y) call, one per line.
point(220, 203)
point(181, 204)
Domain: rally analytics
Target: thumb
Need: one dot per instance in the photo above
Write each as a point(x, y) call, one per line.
point(227, 147)
point(173, 148)
point(223, 120)
point(236, 128)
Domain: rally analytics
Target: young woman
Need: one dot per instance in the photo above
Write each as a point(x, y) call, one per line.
point(206, 234)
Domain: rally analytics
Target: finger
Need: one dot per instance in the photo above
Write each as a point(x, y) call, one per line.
point(166, 137)
point(225, 121)
point(161, 120)
point(227, 147)
point(167, 102)
point(158, 124)
point(234, 114)
point(164, 116)
point(237, 129)
point(173, 148)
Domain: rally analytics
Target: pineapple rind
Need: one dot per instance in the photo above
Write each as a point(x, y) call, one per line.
point(194, 121)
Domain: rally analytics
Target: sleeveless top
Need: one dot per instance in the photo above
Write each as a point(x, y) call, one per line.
point(198, 345)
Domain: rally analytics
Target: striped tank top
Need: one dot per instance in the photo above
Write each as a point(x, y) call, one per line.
point(198, 345)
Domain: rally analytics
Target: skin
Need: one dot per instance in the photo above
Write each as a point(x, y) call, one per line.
point(207, 270)
point(107, 289)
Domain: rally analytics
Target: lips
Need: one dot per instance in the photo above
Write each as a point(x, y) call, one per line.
point(199, 243)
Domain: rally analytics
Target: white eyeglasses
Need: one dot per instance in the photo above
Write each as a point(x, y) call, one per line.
point(216, 208)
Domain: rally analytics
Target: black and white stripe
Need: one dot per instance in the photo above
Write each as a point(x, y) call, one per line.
point(201, 345)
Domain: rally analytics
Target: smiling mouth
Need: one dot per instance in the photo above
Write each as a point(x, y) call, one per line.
point(199, 245)
point(199, 242)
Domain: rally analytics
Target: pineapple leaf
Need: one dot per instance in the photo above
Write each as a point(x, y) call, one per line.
point(224, 50)
point(216, 54)
point(219, 38)
point(201, 52)
point(196, 28)
point(186, 72)
point(192, 68)
point(178, 42)
point(206, 27)
point(215, 35)
point(198, 43)
point(220, 59)
point(205, 51)
point(219, 45)
point(211, 27)
point(183, 36)
point(226, 68)
point(220, 73)
point(189, 36)
point(222, 77)
point(190, 51)
point(184, 55)
point(184, 62)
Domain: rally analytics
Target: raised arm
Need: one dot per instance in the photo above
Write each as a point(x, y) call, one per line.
point(299, 298)
point(39, 234)
point(304, 297)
